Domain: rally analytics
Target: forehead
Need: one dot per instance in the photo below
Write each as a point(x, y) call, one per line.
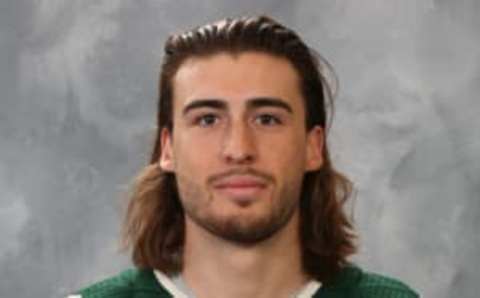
point(235, 78)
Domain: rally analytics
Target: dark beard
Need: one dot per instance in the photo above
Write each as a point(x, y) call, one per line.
point(236, 230)
point(241, 230)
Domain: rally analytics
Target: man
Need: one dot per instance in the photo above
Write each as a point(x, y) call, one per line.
point(240, 198)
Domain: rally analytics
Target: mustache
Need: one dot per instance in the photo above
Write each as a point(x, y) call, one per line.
point(241, 171)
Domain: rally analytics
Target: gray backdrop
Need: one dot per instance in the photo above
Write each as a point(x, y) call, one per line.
point(77, 110)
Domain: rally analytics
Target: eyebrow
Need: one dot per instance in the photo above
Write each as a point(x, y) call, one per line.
point(256, 102)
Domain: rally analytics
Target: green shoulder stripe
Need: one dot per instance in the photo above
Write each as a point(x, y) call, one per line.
point(352, 282)
point(375, 285)
point(132, 283)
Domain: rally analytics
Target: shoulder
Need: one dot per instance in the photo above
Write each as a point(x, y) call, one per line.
point(355, 282)
point(376, 285)
point(126, 284)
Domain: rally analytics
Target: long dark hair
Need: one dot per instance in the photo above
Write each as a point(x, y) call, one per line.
point(154, 223)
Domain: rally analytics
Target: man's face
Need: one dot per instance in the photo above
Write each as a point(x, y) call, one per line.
point(239, 148)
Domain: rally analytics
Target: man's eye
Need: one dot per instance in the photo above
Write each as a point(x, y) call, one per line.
point(267, 119)
point(206, 120)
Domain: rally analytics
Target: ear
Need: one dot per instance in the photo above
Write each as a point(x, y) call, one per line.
point(314, 154)
point(166, 160)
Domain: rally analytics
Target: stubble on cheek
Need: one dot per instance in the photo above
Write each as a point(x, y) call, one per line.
point(192, 195)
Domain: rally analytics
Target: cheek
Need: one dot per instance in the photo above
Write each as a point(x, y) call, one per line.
point(194, 154)
point(294, 161)
point(287, 149)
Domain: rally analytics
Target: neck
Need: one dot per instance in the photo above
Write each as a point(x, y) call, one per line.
point(215, 268)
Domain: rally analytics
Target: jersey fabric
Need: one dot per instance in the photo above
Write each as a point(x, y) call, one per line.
point(351, 282)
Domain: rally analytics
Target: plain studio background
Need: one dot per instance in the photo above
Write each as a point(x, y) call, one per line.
point(78, 82)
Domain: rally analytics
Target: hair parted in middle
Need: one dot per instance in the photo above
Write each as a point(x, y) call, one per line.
point(154, 224)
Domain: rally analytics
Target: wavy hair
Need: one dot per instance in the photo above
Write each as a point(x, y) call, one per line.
point(154, 223)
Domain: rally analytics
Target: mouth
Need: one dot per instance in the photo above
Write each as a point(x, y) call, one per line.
point(241, 188)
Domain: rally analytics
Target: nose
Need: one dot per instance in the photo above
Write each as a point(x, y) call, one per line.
point(239, 144)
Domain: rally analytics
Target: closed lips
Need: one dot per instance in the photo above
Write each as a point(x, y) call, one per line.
point(239, 182)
